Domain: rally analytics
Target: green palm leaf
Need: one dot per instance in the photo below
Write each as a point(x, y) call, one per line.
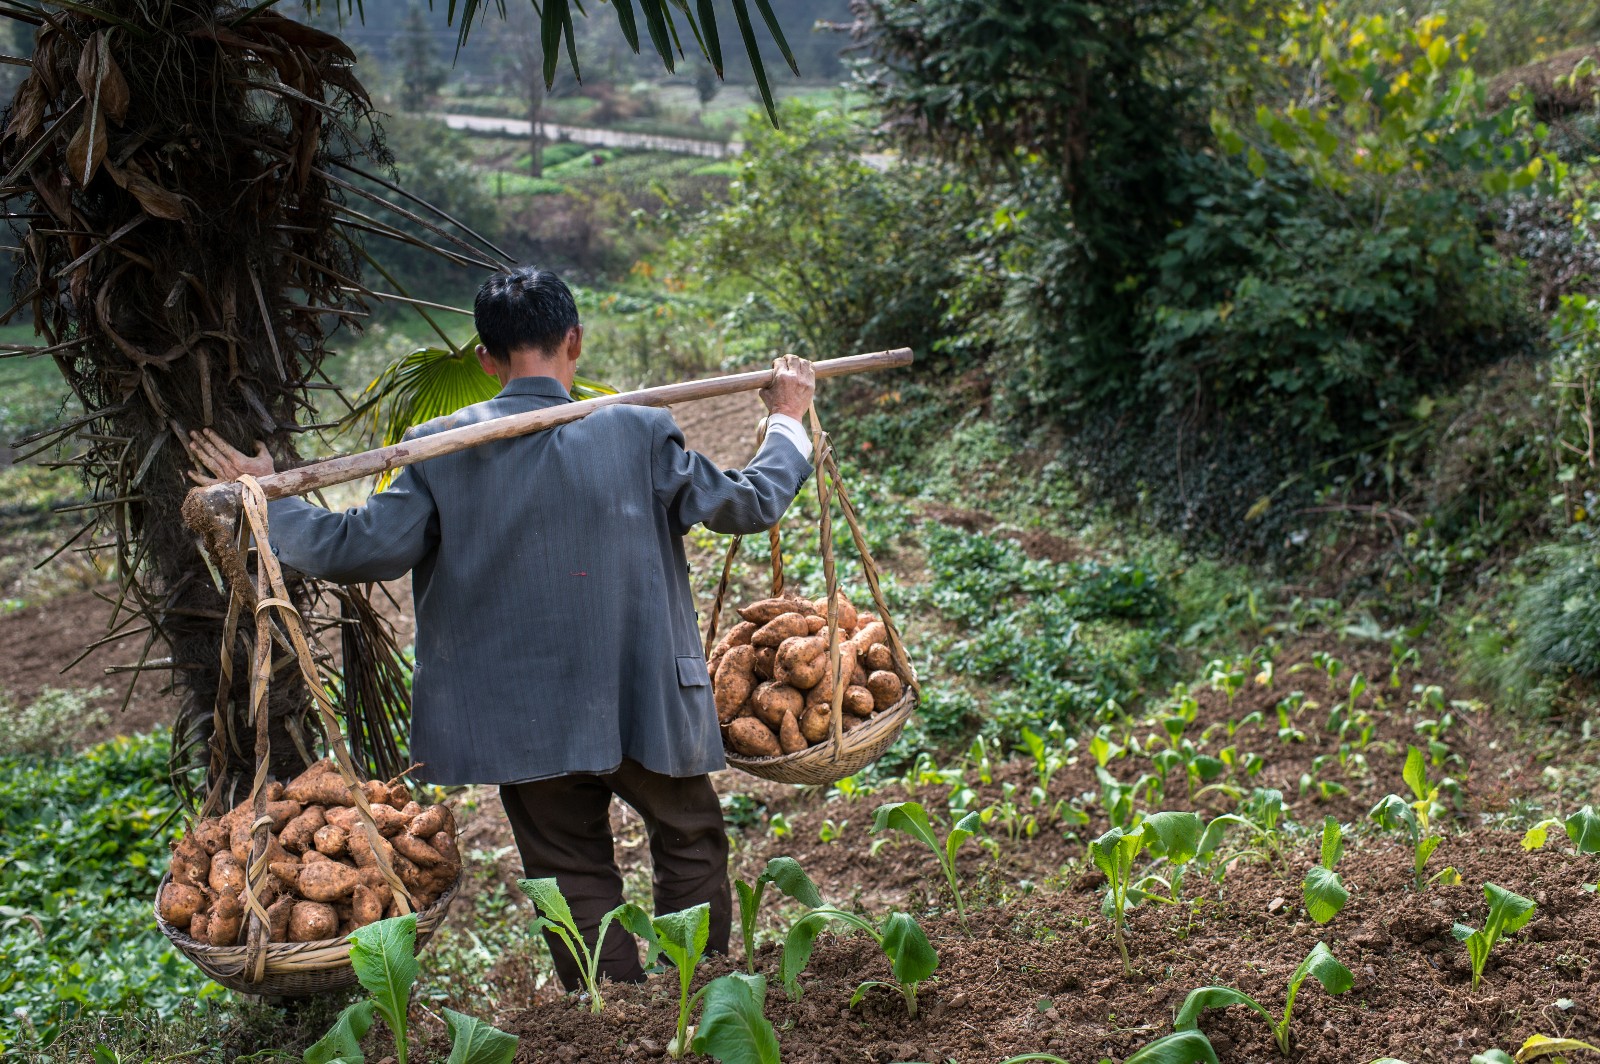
point(433, 382)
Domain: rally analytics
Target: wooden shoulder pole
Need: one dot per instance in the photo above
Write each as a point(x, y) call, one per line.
point(220, 499)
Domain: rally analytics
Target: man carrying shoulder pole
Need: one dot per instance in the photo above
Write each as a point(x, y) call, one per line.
point(557, 650)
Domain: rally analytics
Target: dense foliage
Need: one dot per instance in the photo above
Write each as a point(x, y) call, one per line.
point(86, 844)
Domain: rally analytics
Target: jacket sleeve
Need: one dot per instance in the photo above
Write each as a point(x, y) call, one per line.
point(741, 501)
point(381, 540)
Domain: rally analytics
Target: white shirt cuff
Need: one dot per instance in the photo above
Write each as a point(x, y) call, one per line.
point(786, 427)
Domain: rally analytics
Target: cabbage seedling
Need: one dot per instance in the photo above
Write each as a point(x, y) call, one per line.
point(912, 959)
point(1175, 837)
point(1507, 912)
point(1113, 853)
point(1582, 827)
point(784, 873)
point(383, 956)
point(912, 819)
point(732, 1025)
point(1319, 963)
point(1180, 1047)
point(555, 916)
point(1394, 813)
point(1324, 891)
point(682, 936)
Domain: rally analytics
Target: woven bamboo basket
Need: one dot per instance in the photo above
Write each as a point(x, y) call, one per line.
point(842, 753)
point(830, 762)
point(257, 965)
point(293, 969)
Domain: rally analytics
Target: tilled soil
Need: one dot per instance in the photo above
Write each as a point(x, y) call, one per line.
point(1041, 973)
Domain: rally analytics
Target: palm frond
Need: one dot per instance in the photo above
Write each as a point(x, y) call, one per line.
point(433, 382)
point(556, 30)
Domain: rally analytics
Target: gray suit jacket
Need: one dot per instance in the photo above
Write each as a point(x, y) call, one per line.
point(556, 632)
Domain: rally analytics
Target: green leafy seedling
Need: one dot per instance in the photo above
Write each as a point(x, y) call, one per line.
point(1176, 837)
point(912, 819)
point(1319, 963)
point(1325, 892)
point(1413, 819)
point(384, 958)
point(912, 960)
point(733, 1027)
point(784, 873)
point(682, 936)
point(555, 916)
point(1508, 911)
point(1113, 853)
point(1582, 827)
point(1544, 1047)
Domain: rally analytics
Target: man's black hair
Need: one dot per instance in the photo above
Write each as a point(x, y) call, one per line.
point(521, 308)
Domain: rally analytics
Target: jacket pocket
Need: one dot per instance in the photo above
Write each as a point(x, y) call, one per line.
point(692, 672)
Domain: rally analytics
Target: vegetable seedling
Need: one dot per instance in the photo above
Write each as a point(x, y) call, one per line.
point(912, 959)
point(1319, 963)
point(1176, 837)
point(1325, 892)
point(682, 936)
point(1582, 827)
point(1394, 813)
point(912, 819)
point(1113, 853)
point(1508, 911)
point(384, 958)
point(784, 873)
point(733, 1026)
point(555, 916)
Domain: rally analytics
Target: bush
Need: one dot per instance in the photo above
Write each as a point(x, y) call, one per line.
point(1558, 615)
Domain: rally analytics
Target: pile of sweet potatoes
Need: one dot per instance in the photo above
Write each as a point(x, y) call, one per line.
point(324, 880)
point(768, 674)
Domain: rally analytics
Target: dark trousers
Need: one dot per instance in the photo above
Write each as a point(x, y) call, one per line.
point(563, 829)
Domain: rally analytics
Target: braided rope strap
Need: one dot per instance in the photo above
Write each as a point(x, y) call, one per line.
point(773, 542)
point(269, 598)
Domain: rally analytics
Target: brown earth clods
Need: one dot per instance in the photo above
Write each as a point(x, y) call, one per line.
point(1040, 972)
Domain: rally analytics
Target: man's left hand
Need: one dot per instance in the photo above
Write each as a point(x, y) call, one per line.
point(225, 462)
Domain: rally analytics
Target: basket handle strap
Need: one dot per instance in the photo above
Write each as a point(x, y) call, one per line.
point(821, 447)
point(727, 565)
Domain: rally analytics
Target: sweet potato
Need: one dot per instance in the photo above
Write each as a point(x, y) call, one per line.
point(433, 819)
point(784, 626)
point(879, 657)
point(199, 927)
point(752, 738)
point(790, 738)
point(390, 820)
point(227, 920)
point(739, 635)
point(191, 865)
point(278, 914)
point(314, 857)
point(178, 904)
point(327, 881)
point(858, 675)
point(243, 840)
point(735, 680)
point(714, 662)
point(330, 840)
point(817, 722)
point(766, 662)
point(312, 921)
point(800, 649)
point(299, 834)
point(886, 688)
point(815, 625)
point(415, 850)
point(851, 723)
point(366, 906)
point(768, 609)
point(858, 701)
point(317, 784)
point(211, 835)
point(847, 612)
point(870, 635)
point(772, 700)
point(282, 812)
point(444, 843)
point(227, 874)
point(273, 790)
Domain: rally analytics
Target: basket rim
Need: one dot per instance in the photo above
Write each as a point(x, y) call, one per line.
point(892, 717)
point(340, 946)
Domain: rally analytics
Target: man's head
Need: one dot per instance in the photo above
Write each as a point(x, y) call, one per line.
point(527, 317)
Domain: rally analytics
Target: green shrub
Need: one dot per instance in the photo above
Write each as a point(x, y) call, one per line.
point(86, 844)
point(1558, 615)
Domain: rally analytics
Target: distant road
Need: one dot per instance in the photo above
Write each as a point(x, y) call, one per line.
point(601, 138)
point(617, 138)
